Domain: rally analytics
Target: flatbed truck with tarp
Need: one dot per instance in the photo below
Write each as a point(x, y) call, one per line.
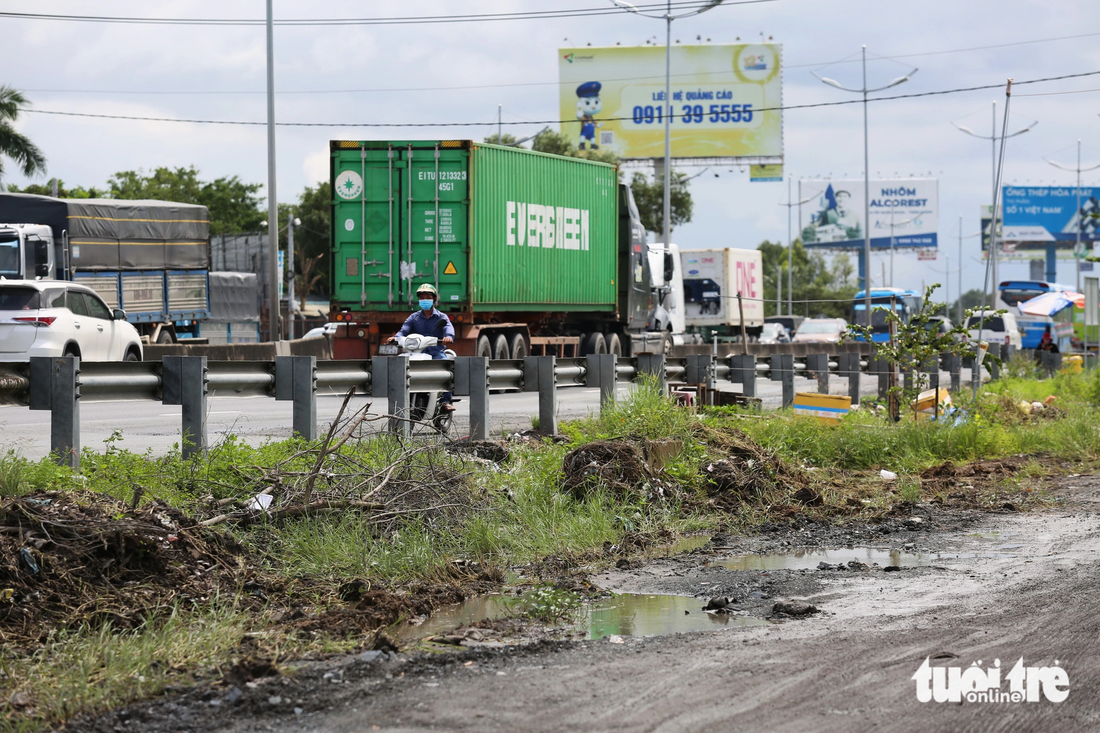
point(149, 258)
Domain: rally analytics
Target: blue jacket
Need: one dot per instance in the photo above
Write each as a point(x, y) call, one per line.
point(433, 324)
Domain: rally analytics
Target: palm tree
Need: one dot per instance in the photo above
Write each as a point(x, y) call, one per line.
point(13, 143)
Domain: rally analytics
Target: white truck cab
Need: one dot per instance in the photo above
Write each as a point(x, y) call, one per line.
point(667, 275)
point(27, 252)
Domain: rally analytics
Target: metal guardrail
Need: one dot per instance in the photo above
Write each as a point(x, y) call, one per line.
point(61, 384)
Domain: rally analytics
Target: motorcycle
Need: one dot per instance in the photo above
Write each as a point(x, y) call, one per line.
point(424, 407)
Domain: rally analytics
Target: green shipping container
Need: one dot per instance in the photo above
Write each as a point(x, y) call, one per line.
point(494, 228)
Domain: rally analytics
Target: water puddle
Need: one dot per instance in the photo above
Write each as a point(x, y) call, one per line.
point(685, 544)
point(808, 558)
point(627, 614)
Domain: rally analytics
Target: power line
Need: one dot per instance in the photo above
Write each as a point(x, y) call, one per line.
point(394, 20)
point(466, 87)
point(544, 122)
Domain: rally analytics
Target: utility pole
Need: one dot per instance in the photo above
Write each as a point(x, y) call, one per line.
point(273, 328)
point(790, 243)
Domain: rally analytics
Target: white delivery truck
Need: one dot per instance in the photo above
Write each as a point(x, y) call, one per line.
point(712, 279)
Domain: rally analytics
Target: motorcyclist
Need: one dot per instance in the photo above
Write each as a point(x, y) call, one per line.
point(430, 322)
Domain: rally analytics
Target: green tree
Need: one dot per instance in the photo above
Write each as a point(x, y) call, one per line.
point(46, 189)
point(650, 198)
point(234, 205)
point(818, 288)
point(557, 143)
point(970, 299)
point(311, 239)
point(14, 144)
point(505, 139)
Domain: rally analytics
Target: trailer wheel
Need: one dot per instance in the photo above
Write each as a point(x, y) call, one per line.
point(164, 337)
point(519, 346)
point(483, 347)
point(500, 347)
point(595, 343)
point(614, 345)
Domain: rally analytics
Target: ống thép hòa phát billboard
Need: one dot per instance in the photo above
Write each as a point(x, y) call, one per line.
point(1043, 215)
point(904, 213)
point(725, 100)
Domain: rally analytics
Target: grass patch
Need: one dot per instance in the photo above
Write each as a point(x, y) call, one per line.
point(513, 511)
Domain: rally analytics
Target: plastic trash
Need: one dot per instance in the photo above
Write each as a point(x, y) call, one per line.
point(260, 502)
point(888, 475)
point(28, 559)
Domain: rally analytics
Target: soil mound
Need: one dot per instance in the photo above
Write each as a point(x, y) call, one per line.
point(69, 558)
point(751, 474)
point(618, 465)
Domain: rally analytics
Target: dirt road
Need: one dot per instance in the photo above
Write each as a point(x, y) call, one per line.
point(1000, 587)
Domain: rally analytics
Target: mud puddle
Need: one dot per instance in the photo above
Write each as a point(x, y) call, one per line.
point(626, 614)
point(809, 558)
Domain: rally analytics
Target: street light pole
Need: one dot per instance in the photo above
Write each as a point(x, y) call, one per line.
point(668, 17)
point(866, 170)
point(790, 243)
point(1077, 251)
point(993, 137)
point(900, 224)
point(273, 329)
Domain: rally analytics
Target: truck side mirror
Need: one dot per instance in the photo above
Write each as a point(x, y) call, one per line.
point(669, 266)
point(41, 258)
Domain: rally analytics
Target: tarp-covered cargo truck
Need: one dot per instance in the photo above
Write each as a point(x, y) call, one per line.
point(712, 280)
point(531, 253)
point(150, 258)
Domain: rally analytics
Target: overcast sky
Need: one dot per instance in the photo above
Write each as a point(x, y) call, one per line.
point(460, 72)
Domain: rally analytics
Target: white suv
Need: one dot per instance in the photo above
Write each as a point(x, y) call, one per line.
point(996, 329)
point(54, 318)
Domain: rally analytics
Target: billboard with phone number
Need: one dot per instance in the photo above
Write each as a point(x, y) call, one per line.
point(724, 102)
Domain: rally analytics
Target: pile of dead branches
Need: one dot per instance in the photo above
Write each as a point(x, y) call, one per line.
point(71, 558)
point(417, 479)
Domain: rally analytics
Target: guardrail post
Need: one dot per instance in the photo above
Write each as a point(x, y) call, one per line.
point(743, 371)
point(184, 383)
point(995, 350)
point(782, 366)
point(600, 372)
point(55, 386)
point(700, 370)
point(848, 366)
point(818, 366)
point(882, 368)
point(654, 365)
point(954, 367)
point(932, 367)
point(540, 375)
point(296, 380)
point(479, 397)
point(390, 379)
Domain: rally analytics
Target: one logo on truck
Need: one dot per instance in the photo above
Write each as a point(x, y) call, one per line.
point(349, 185)
point(547, 227)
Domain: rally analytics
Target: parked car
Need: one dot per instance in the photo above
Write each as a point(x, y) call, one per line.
point(328, 329)
point(821, 330)
point(774, 333)
point(997, 329)
point(56, 318)
point(791, 323)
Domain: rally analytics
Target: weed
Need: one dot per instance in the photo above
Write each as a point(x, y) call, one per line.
point(549, 605)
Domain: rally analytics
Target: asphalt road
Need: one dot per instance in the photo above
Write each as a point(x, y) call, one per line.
point(150, 426)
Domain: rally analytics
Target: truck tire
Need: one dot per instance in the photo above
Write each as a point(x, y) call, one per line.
point(484, 348)
point(500, 347)
point(595, 343)
point(519, 346)
point(614, 345)
point(668, 344)
point(164, 337)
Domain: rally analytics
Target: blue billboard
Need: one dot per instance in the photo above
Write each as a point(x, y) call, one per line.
point(1043, 215)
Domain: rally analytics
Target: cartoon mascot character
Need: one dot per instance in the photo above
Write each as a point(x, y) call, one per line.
point(588, 105)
